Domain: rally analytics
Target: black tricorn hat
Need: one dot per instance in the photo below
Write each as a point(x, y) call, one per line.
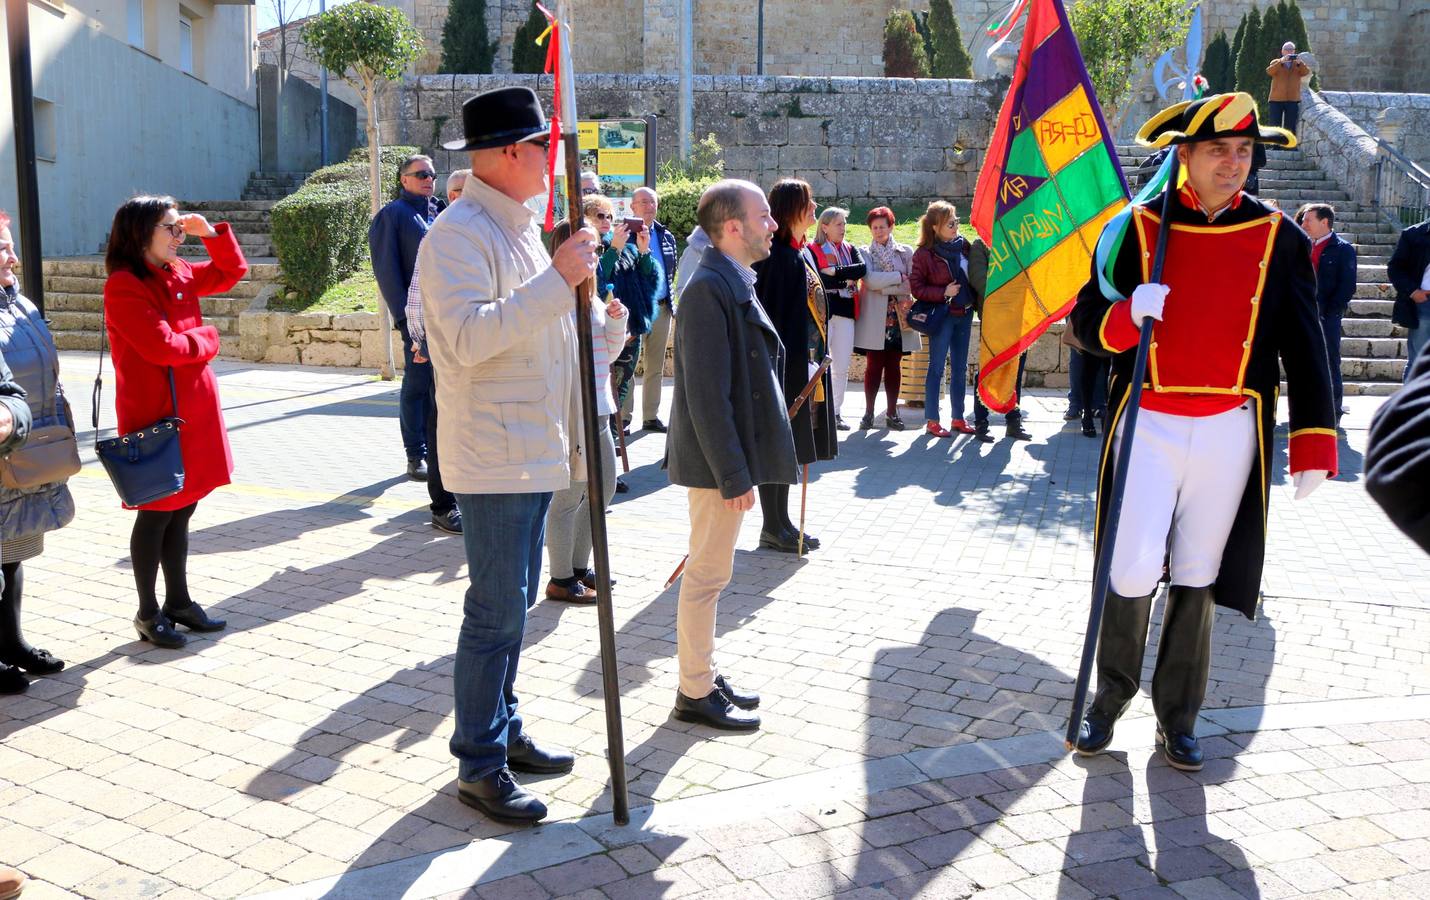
point(497, 118)
point(1217, 116)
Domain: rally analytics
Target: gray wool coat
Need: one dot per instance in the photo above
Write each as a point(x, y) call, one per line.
point(729, 428)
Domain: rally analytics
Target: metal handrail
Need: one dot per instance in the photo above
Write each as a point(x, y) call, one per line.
point(1402, 187)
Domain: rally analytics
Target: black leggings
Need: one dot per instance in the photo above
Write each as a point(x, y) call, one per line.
point(774, 506)
point(11, 638)
point(161, 538)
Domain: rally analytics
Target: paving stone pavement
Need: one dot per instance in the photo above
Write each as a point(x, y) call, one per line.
point(304, 749)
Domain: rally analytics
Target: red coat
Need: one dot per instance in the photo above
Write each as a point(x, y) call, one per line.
point(930, 277)
point(156, 323)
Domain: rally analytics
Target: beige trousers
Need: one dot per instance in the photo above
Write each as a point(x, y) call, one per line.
point(652, 361)
point(713, 530)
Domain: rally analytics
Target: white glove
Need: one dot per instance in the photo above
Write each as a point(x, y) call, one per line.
point(813, 367)
point(1147, 301)
point(1307, 481)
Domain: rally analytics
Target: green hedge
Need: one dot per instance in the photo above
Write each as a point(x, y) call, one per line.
point(678, 200)
point(320, 230)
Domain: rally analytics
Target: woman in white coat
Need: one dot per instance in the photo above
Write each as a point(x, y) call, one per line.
point(878, 332)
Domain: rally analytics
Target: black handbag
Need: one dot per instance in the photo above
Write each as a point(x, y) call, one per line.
point(926, 316)
point(145, 465)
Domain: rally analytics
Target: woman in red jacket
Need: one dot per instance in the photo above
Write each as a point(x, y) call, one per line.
point(155, 325)
point(940, 275)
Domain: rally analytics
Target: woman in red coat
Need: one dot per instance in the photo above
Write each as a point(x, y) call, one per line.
point(155, 325)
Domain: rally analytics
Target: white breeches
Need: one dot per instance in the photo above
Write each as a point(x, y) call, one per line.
point(1185, 484)
point(841, 348)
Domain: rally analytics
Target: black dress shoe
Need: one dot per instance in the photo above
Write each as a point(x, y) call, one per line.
point(655, 425)
point(36, 662)
point(810, 541)
point(839, 424)
point(194, 618)
point(742, 699)
point(1094, 735)
point(1089, 425)
point(12, 681)
point(589, 579)
point(980, 433)
point(893, 423)
point(622, 487)
point(525, 755)
point(1017, 432)
point(499, 797)
point(449, 521)
point(715, 710)
point(417, 469)
point(784, 542)
point(1180, 750)
point(159, 631)
point(867, 422)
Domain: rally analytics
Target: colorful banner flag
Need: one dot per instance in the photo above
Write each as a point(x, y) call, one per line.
point(1050, 181)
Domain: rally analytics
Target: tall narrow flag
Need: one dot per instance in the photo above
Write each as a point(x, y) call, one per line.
point(1050, 181)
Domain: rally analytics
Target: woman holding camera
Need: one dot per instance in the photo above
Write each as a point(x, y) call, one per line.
point(154, 323)
point(626, 263)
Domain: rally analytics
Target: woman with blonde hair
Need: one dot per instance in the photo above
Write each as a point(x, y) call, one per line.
point(840, 268)
point(880, 332)
point(940, 276)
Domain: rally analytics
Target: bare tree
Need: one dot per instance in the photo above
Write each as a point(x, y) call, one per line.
point(286, 12)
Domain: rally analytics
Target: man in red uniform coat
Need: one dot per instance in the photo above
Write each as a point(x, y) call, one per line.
point(1237, 295)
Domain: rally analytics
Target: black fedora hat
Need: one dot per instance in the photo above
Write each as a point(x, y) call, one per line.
point(496, 118)
point(1219, 116)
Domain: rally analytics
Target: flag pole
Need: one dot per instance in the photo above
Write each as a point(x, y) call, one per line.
point(595, 502)
point(1102, 571)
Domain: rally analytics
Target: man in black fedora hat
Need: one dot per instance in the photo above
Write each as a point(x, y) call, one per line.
point(503, 343)
point(1237, 299)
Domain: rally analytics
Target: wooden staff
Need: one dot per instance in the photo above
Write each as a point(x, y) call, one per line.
point(794, 408)
point(605, 615)
point(1102, 572)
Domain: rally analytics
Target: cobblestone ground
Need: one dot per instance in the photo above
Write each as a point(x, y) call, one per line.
point(915, 672)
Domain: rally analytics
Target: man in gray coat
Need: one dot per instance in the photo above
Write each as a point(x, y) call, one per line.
point(729, 432)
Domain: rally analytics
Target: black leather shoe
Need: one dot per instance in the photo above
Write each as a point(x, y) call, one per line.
point(589, 579)
point(499, 797)
point(893, 423)
point(655, 425)
point(159, 631)
point(839, 424)
point(1089, 425)
point(417, 469)
point(715, 710)
point(525, 755)
point(622, 487)
point(449, 521)
point(867, 422)
point(980, 433)
point(742, 699)
point(36, 662)
point(1094, 734)
point(12, 681)
point(810, 541)
point(784, 542)
point(1017, 432)
point(1122, 643)
point(1180, 750)
point(194, 618)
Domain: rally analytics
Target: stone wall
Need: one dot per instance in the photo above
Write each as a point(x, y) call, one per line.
point(1412, 112)
point(1338, 146)
point(315, 339)
point(850, 138)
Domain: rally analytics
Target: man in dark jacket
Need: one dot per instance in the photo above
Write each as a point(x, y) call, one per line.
point(729, 432)
point(1409, 271)
point(1334, 260)
point(646, 203)
point(393, 238)
point(1397, 456)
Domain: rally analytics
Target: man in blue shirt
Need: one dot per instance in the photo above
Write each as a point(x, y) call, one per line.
point(645, 203)
point(393, 237)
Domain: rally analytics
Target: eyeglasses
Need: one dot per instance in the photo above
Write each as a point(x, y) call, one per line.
point(588, 191)
point(175, 230)
point(423, 174)
point(605, 217)
point(544, 143)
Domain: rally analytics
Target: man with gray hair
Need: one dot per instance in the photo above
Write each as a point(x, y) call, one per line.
point(1286, 72)
point(645, 203)
point(729, 432)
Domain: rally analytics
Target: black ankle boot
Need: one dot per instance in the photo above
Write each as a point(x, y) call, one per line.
point(1089, 425)
point(1122, 641)
point(1179, 683)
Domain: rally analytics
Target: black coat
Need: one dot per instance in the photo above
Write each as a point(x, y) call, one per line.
point(1336, 276)
point(1397, 456)
point(1287, 333)
point(782, 287)
point(728, 423)
point(1406, 269)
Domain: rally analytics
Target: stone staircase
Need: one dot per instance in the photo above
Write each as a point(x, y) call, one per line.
point(74, 286)
point(1373, 352)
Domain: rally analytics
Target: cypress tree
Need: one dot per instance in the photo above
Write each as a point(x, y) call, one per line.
point(1296, 27)
point(466, 49)
point(904, 55)
point(1217, 67)
point(921, 22)
point(950, 58)
point(1236, 42)
point(1273, 35)
point(1248, 56)
point(526, 57)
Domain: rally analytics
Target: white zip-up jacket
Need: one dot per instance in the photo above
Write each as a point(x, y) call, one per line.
point(503, 347)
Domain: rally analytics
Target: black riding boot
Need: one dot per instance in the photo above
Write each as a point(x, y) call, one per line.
point(1179, 683)
point(1122, 641)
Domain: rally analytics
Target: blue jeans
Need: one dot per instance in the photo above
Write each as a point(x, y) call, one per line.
point(1419, 337)
point(1076, 362)
point(503, 535)
point(1331, 327)
point(417, 383)
point(950, 341)
point(1285, 114)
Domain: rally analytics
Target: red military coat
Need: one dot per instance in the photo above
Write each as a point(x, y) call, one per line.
point(155, 323)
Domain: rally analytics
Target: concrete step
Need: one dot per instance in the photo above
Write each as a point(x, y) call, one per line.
point(57, 301)
point(1353, 326)
point(1378, 369)
point(1367, 388)
point(1374, 348)
point(220, 205)
point(62, 321)
point(250, 244)
point(240, 219)
point(1372, 309)
point(92, 286)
